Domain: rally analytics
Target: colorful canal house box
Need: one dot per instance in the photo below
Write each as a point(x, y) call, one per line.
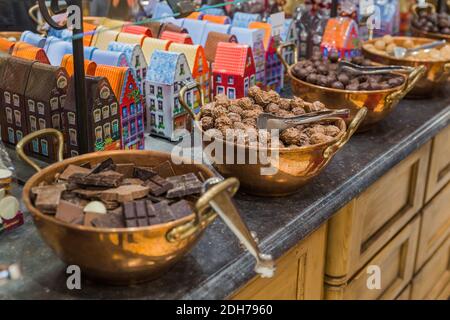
point(233, 70)
point(131, 108)
point(255, 39)
point(214, 27)
point(151, 45)
point(341, 36)
point(214, 38)
point(195, 29)
point(177, 37)
point(103, 114)
point(109, 58)
point(243, 19)
point(195, 55)
point(45, 96)
point(27, 51)
point(136, 60)
point(168, 72)
point(274, 68)
point(13, 85)
point(289, 34)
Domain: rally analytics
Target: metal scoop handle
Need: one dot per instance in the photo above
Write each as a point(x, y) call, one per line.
point(367, 70)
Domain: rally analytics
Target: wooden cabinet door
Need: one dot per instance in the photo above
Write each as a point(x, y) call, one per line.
point(435, 226)
point(360, 229)
point(433, 280)
point(439, 173)
point(396, 265)
point(299, 274)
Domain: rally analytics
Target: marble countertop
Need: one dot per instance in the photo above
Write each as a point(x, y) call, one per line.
point(217, 266)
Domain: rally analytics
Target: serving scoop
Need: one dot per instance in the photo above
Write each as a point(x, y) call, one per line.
point(369, 70)
point(269, 121)
point(400, 52)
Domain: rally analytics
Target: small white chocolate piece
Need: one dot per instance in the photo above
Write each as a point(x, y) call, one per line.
point(9, 207)
point(95, 207)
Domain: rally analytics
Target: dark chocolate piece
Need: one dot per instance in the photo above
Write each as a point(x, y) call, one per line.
point(127, 169)
point(110, 220)
point(105, 165)
point(107, 179)
point(144, 173)
point(184, 185)
point(158, 186)
point(165, 169)
point(72, 169)
point(69, 212)
point(181, 209)
point(138, 213)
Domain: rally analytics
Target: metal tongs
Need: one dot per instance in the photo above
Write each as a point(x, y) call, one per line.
point(269, 121)
point(400, 52)
point(368, 70)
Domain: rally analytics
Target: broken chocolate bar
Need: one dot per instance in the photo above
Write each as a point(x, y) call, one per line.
point(72, 169)
point(105, 165)
point(110, 220)
point(125, 193)
point(48, 198)
point(103, 179)
point(143, 173)
point(164, 169)
point(138, 213)
point(184, 185)
point(158, 186)
point(69, 212)
point(180, 209)
point(127, 169)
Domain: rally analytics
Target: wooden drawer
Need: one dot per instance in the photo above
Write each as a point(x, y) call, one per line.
point(299, 274)
point(396, 263)
point(405, 295)
point(435, 226)
point(433, 280)
point(439, 173)
point(360, 229)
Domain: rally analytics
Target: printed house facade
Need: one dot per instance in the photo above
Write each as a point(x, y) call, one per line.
point(136, 60)
point(289, 33)
point(341, 36)
point(103, 115)
point(168, 72)
point(131, 108)
point(233, 70)
point(45, 96)
point(13, 86)
point(255, 39)
point(199, 67)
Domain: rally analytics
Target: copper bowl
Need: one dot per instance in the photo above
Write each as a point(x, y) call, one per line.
point(425, 34)
point(122, 255)
point(435, 75)
point(294, 166)
point(11, 34)
point(379, 103)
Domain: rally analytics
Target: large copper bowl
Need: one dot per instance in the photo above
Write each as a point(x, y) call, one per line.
point(436, 72)
point(122, 256)
point(293, 167)
point(379, 103)
point(425, 34)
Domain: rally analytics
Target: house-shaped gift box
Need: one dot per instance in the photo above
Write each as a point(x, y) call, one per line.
point(214, 38)
point(341, 36)
point(274, 79)
point(199, 67)
point(131, 107)
point(27, 51)
point(233, 70)
point(243, 19)
point(136, 60)
point(168, 73)
point(103, 125)
point(177, 37)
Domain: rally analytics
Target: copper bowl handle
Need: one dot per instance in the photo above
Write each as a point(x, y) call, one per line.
point(34, 135)
point(281, 49)
point(357, 120)
point(181, 96)
point(411, 81)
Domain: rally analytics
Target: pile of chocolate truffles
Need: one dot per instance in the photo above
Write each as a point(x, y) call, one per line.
point(113, 195)
point(432, 22)
point(238, 117)
point(324, 72)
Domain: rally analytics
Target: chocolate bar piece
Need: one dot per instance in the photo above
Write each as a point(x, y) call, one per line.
point(166, 213)
point(125, 193)
point(181, 209)
point(89, 217)
point(128, 181)
point(105, 165)
point(184, 185)
point(72, 169)
point(158, 186)
point(127, 169)
point(143, 173)
point(110, 220)
point(165, 169)
point(88, 194)
point(102, 179)
point(69, 212)
point(138, 213)
point(53, 187)
point(47, 199)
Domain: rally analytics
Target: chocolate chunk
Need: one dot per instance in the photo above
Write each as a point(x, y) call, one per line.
point(72, 169)
point(337, 85)
point(165, 169)
point(158, 186)
point(88, 194)
point(127, 169)
point(138, 213)
point(144, 173)
point(184, 185)
point(125, 193)
point(181, 209)
point(89, 217)
point(105, 165)
point(129, 181)
point(47, 200)
point(53, 187)
point(103, 179)
point(69, 212)
point(110, 220)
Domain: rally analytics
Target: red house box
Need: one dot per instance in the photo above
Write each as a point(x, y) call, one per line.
point(341, 36)
point(233, 70)
point(131, 105)
point(141, 30)
point(176, 37)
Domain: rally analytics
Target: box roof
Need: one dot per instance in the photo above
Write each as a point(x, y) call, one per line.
point(16, 73)
point(42, 80)
point(214, 27)
point(231, 58)
point(212, 41)
point(177, 37)
point(29, 52)
point(163, 66)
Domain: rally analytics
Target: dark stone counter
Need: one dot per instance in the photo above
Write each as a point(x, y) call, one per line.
point(218, 266)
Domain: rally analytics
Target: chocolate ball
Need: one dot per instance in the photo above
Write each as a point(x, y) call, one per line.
point(302, 74)
point(322, 69)
point(364, 86)
point(343, 78)
point(312, 78)
point(352, 87)
point(337, 85)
